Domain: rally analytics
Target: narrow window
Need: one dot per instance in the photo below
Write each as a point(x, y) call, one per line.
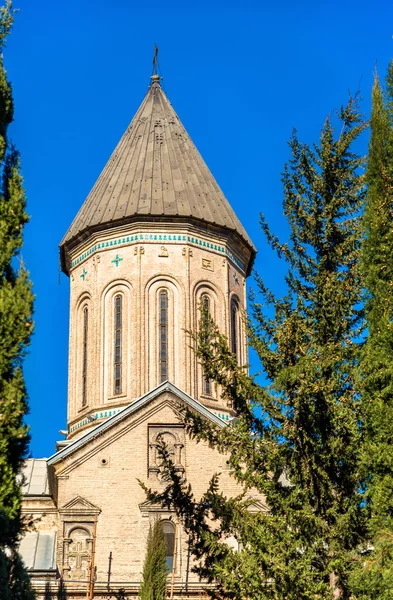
point(84, 352)
point(206, 383)
point(118, 341)
point(234, 329)
point(169, 533)
point(163, 335)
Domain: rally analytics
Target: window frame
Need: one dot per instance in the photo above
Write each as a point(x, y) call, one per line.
point(170, 557)
point(85, 340)
point(163, 334)
point(206, 383)
point(235, 328)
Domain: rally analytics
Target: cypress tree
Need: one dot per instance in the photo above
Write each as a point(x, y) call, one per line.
point(16, 301)
point(18, 586)
point(295, 441)
point(374, 578)
point(155, 570)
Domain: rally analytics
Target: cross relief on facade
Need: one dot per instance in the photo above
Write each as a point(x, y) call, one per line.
point(173, 438)
point(116, 260)
point(77, 553)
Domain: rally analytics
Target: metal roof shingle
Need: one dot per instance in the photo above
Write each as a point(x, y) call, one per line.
point(37, 549)
point(154, 170)
point(35, 477)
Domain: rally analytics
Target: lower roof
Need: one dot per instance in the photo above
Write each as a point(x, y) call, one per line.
point(35, 477)
point(166, 386)
point(38, 550)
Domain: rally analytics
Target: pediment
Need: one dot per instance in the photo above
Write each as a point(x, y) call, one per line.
point(148, 507)
point(79, 506)
point(137, 411)
point(256, 506)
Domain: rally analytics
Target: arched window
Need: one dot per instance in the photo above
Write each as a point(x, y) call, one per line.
point(206, 383)
point(163, 335)
point(118, 342)
point(84, 355)
point(169, 533)
point(235, 329)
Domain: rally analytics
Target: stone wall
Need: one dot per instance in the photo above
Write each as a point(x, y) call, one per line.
point(100, 481)
point(188, 263)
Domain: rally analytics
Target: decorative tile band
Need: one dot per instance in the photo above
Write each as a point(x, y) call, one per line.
point(102, 414)
point(174, 238)
point(222, 416)
point(105, 414)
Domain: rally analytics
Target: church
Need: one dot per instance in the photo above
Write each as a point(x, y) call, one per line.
point(154, 239)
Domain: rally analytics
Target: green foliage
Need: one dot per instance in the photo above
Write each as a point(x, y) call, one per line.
point(155, 569)
point(14, 580)
point(295, 442)
point(16, 303)
point(374, 577)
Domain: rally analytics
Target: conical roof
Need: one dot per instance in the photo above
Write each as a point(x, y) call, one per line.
point(155, 170)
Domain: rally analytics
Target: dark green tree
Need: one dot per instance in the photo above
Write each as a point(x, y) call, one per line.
point(17, 586)
point(295, 441)
point(16, 303)
point(374, 578)
point(155, 570)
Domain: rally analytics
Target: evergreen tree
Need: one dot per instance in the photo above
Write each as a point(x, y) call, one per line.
point(18, 586)
point(295, 441)
point(155, 569)
point(16, 300)
point(374, 578)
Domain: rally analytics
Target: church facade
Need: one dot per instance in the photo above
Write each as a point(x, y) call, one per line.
point(154, 240)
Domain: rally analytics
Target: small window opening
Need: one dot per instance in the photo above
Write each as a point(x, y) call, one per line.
point(163, 335)
point(234, 329)
point(206, 383)
point(84, 355)
point(169, 534)
point(118, 343)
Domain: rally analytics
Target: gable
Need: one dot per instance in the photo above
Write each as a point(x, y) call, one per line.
point(79, 506)
point(141, 409)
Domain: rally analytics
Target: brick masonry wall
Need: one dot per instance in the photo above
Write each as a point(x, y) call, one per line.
point(138, 271)
point(123, 522)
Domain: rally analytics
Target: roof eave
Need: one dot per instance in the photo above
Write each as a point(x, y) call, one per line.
point(66, 245)
point(166, 386)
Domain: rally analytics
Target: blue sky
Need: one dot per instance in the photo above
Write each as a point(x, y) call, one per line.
point(240, 75)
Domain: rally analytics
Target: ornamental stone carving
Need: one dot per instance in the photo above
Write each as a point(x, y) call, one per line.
point(173, 437)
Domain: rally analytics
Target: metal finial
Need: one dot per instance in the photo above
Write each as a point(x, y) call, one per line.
point(155, 59)
point(155, 78)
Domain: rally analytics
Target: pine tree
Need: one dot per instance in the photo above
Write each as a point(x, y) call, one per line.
point(155, 569)
point(16, 300)
point(295, 441)
point(374, 578)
